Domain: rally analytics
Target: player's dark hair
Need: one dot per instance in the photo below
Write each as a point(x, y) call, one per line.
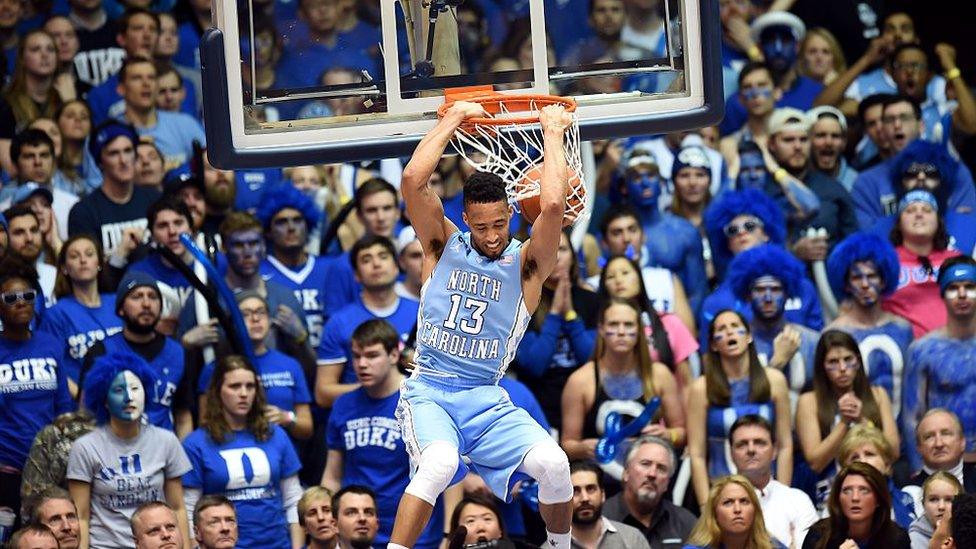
point(351, 489)
point(169, 203)
point(587, 466)
point(375, 331)
point(369, 241)
point(484, 188)
point(753, 420)
point(871, 101)
point(752, 67)
point(371, 187)
point(616, 212)
point(32, 137)
point(894, 99)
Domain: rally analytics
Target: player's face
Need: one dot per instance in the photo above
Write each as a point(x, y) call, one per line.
point(870, 454)
point(237, 392)
point(940, 441)
point(141, 309)
point(288, 230)
point(217, 527)
point(373, 364)
point(938, 499)
point(619, 328)
point(647, 473)
point(319, 522)
point(826, 143)
point(357, 520)
point(752, 450)
point(621, 279)
point(730, 338)
point(60, 516)
point(622, 233)
point(864, 283)
point(489, 227)
point(481, 522)
point(588, 497)
point(376, 267)
point(256, 319)
point(734, 510)
point(167, 228)
point(379, 213)
point(157, 528)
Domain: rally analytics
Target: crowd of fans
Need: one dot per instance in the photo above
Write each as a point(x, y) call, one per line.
point(794, 288)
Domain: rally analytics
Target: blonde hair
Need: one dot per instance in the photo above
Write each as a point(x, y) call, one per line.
point(314, 493)
point(945, 477)
point(708, 533)
point(860, 435)
point(840, 62)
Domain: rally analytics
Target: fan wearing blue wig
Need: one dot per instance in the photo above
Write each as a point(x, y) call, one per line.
point(288, 216)
point(125, 461)
point(862, 270)
point(767, 277)
point(735, 222)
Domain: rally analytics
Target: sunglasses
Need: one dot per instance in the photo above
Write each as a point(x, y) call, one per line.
point(922, 168)
point(13, 297)
point(752, 93)
point(733, 229)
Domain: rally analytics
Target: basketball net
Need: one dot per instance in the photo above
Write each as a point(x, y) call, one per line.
point(511, 143)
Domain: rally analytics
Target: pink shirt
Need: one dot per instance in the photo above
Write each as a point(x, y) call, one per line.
point(917, 298)
point(681, 341)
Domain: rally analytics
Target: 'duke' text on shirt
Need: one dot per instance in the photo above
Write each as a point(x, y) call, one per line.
point(470, 294)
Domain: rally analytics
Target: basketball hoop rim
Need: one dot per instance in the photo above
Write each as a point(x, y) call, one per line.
point(492, 103)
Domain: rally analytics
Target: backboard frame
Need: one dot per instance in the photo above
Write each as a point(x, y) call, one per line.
point(229, 146)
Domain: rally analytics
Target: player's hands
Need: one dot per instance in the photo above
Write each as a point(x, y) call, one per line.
point(467, 109)
point(785, 345)
point(289, 323)
point(204, 334)
point(555, 118)
point(947, 56)
point(850, 407)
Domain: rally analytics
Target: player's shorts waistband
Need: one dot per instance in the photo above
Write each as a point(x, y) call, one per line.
point(445, 381)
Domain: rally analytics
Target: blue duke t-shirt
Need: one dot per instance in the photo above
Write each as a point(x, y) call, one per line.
point(336, 345)
point(80, 327)
point(249, 473)
point(280, 375)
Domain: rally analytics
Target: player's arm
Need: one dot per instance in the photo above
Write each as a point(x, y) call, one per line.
point(540, 253)
point(423, 205)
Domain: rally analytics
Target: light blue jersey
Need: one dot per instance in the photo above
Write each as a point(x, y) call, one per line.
point(472, 314)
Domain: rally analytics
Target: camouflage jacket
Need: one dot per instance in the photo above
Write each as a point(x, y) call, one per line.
point(47, 462)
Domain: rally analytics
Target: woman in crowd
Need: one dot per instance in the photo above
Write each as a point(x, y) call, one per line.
point(26, 404)
point(280, 375)
point(671, 342)
point(123, 462)
point(31, 93)
point(482, 523)
point(937, 493)
point(236, 425)
point(868, 444)
point(820, 58)
point(731, 518)
point(561, 334)
point(84, 313)
point(66, 80)
point(691, 176)
point(74, 121)
point(622, 377)
point(841, 398)
point(860, 514)
point(734, 384)
point(922, 244)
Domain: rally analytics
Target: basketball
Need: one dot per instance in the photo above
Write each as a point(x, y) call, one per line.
point(574, 196)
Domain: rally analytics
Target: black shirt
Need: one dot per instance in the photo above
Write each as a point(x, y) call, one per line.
point(836, 214)
point(854, 22)
point(894, 537)
point(98, 216)
point(99, 55)
point(670, 525)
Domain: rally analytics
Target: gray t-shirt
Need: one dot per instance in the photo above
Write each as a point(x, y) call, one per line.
point(124, 474)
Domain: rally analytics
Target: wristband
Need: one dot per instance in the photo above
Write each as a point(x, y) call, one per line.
point(292, 420)
point(570, 316)
point(754, 53)
point(673, 436)
point(780, 174)
point(300, 340)
point(953, 73)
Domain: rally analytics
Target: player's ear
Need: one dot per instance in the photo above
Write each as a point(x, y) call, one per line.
point(511, 210)
point(464, 217)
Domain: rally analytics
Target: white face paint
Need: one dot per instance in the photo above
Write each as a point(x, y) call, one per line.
point(126, 397)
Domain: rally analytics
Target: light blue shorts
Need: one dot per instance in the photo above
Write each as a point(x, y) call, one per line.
point(494, 434)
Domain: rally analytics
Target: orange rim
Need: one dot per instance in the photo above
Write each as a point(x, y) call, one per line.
point(493, 103)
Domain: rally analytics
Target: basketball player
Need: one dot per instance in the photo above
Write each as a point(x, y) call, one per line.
point(480, 289)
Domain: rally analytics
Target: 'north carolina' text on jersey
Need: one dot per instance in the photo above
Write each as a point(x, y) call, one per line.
point(472, 315)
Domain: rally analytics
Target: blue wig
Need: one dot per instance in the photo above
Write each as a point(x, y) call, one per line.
point(278, 197)
point(862, 246)
point(104, 370)
point(926, 152)
point(766, 260)
point(732, 204)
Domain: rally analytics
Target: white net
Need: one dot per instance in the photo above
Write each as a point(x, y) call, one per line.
point(514, 152)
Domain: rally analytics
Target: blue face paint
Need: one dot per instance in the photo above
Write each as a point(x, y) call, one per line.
point(126, 397)
point(864, 283)
point(752, 172)
point(245, 251)
point(767, 291)
point(643, 190)
point(779, 48)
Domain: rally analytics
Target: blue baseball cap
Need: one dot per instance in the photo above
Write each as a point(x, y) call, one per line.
point(108, 132)
point(29, 189)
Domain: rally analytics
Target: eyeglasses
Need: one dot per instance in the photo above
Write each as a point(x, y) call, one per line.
point(922, 168)
point(848, 363)
point(10, 298)
point(911, 67)
point(748, 226)
point(904, 118)
point(255, 313)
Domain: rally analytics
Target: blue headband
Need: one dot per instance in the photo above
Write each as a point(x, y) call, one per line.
point(957, 273)
point(918, 195)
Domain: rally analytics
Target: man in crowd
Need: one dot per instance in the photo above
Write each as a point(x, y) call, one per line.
point(828, 142)
point(410, 257)
point(34, 536)
point(138, 32)
point(940, 441)
point(32, 152)
point(215, 522)
point(355, 512)
point(788, 512)
point(116, 210)
point(648, 468)
point(55, 509)
point(590, 527)
point(154, 525)
point(26, 241)
point(939, 360)
point(374, 258)
point(316, 518)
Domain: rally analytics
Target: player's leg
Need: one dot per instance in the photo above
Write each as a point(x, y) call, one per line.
point(548, 465)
